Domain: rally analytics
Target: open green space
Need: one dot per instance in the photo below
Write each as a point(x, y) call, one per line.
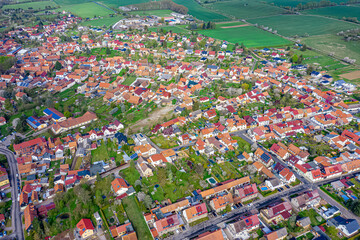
point(31, 5)
point(129, 80)
point(159, 13)
point(336, 11)
point(245, 9)
point(162, 142)
point(249, 35)
point(136, 218)
point(105, 21)
point(315, 58)
point(86, 10)
point(294, 3)
point(334, 44)
point(175, 29)
point(117, 3)
point(302, 25)
point(201, 12)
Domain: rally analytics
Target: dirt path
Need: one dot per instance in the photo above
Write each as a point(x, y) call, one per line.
point(154, 117)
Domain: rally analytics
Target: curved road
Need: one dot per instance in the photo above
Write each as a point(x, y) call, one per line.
point(15, 208)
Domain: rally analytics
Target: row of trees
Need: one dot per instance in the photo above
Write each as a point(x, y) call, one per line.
point(311, 5)
point(208, 25)
point(164, 4)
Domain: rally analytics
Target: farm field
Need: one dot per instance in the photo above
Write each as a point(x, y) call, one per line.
point(87, 10)
point(159, 13)
point(245, 9)
point(201, 12)
point(117, 3)
point(331, 43)
point(107, 21)
point(294, 3)
point(249, 35)
point(302, 25)
point(336, 11)
point(33, 5)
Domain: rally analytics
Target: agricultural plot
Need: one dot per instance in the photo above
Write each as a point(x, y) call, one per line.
point(336, 11)
point(117, 3)
point(249, 35)
point(201, 12)
point(334, 44)
point(87, 10)
point(294, 3)
point(159, 13)
point(302, 25)
point(107, 21)
point(245, 9)
point(31, 5)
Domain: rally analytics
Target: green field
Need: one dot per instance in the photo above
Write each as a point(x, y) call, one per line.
point(249, 35)
point(107, 21)
point(302, 25)
point(201, 12)
point(159, 13)
point(87, 10)
point(31, 5)
point(245, 9)
point(336, 11)
point(314, 58)
point(175, 29)
point(294, 3)
point(117, 3)
point(331, 43)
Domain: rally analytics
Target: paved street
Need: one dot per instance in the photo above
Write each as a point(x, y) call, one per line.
point(15, 208)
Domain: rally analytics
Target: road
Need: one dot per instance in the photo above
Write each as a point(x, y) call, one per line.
point(15, 208)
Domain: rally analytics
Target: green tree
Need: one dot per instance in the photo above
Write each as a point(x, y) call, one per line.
point(58, 65)
point(67, 114)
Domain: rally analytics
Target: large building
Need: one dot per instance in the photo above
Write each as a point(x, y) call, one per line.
point(72, 123)
point(55, 115)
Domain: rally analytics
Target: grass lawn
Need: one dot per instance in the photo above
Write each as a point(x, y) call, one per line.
point(100, 153)
point(330, 43)
point(162, 142)
point(129, 80)
point(87, 10)
point(199, 221)
point(201, 12)
point(78, 163)
point(313, 215)
point(130, 174)
point(244, 9)
point(159, 13)
point(336, 11)
point(136, 218)
point(31, 5)
point(105, 21)
point(248, 35)
point(303, 25)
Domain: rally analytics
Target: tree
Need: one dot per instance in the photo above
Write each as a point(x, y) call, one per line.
point(58, 65)
point(147, 202)
point(8, 105)
point(245, 86)
point(295, 58)
point(108, 51)
point(162, 176)
point(67, 114)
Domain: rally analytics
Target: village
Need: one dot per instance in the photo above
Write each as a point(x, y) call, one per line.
point(161, 135)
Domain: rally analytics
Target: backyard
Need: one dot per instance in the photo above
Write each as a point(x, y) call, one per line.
point(136, 217)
